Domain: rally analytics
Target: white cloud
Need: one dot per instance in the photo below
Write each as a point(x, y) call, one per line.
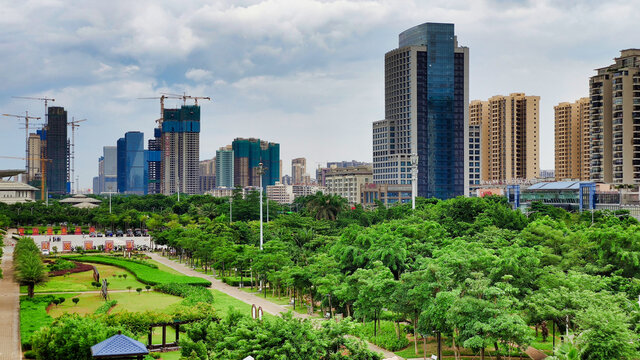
point(198, 75)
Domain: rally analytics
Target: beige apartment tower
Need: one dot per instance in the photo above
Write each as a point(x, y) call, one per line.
point(573, 146)
point(615, 120)
point(298, 169)
point(509, 136)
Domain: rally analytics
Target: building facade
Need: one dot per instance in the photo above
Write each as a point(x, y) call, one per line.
point(107, 171)
point(510, 129)
point(154, 162)
point(224, 167)
point(388, 194)
point(572, 140)
point(426, 113)
point(298, 170)
point(57, 151)
point(180, 150)
point(135, 163)
point(474, 157)
point(346, 182)
point(615, 116)
point(247, 156)
point(34, 153)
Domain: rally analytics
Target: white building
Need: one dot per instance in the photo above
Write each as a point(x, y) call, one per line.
point(12, 192)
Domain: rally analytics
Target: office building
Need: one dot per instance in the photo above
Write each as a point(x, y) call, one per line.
point(207, 176)
point(121, 165)
point(135, 163)
point(224, 167)
point(572, 140)
point(298, 170)
point(57, 151)
point(510, 129)
point(346, 182)
point(248, 154)
point(321, 171)
point(474, 159)
point(286, 180)
point(154, 162)
point(388, 194)
point(426, 113)
point(615, 120)
point(109, 175)
point(181, 150)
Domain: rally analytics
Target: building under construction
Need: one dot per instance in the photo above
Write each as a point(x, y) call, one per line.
point(57, 149)
point(180, 150)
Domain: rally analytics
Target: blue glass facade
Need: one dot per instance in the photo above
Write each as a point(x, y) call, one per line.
point(135, 163)
point(248, 154)
point(121, 152)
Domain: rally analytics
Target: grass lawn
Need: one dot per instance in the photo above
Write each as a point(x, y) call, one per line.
point(164, 267)
point(222, 302)
point(79, 282)
point(284, 300)
point(126, 301)
point(171, 355)
point(447, 351)
point(33, 314)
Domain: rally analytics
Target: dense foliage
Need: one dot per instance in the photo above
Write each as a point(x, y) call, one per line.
point(28, 265)
point(192, 294)
point(144, 272)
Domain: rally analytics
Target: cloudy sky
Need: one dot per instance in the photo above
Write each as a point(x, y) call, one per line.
point(307, 74)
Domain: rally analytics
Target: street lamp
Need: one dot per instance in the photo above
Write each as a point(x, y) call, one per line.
point(260, 172)
point(230, 209)
point(414, 179)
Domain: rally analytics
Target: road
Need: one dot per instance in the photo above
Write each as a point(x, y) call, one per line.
point(267, 306)
point(9, 307)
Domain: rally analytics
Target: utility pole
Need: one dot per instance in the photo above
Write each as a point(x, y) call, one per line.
point(414, 179)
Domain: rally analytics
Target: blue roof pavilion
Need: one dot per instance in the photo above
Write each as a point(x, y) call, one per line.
point(119, 347)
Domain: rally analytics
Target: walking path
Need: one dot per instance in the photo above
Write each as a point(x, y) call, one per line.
point(248, 298)
point(9, 307)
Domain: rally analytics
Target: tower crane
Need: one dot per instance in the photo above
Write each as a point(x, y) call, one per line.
point(26, 118)
point(161, 97)
point(46, 103)
point(43, 166)
point(74, 124)
point(184, 97)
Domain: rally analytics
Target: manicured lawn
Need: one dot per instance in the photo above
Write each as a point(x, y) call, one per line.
point(171, 355)
point(222, 302)
point(126, 302)
point(82, 281)
point(33, 314)
point(284, 300)
point(164, 267)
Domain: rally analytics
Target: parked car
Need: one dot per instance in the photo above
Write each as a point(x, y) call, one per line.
point(108, 233)
point(99, 234)
point(119, 233)
point(129, 232)
point(137, 232)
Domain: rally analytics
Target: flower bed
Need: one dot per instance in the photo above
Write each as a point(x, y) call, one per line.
point(80, 267)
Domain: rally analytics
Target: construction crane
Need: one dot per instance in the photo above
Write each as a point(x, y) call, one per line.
point(26, 118)
point(74, 124)
point(46, 103)
point(184, 97)
point(43, 170)
point(161, 97)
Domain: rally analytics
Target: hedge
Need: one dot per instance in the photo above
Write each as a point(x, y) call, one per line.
point(105, 307)
point(192, 294)
point(143, 272)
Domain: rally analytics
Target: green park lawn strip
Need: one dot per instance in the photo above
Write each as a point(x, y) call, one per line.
point(126, 301)
point(80, 282)
point(33, 314)
point(164, 267)
point(223, 302)
point(283, 300)
point(171, 355)
point(145, 274)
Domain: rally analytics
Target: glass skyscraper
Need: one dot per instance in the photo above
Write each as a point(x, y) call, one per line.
point(57, 150)
point(426, 113)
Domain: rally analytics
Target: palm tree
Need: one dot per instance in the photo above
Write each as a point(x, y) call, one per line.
point(326, 207)
point(30, 271)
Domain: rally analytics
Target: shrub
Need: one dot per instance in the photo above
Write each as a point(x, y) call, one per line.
point(145, 273)
point(75, 300)
point(234, 280)
point(79, 267)
point(139, 290)
point(105, 307)
point(30, 354)
point(61, 264)
point(148, 287)
point(386, 336)
point(192, 294)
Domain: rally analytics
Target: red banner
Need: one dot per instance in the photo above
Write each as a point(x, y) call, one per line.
point(108, 246)
point(92, 229)
point(44, 245)
point(35, 231)
point(78, 231)
point(88, 245)
point(129, 245)
point(63, 231)
point(49, 231)
point(66, 246)
point(21, 231)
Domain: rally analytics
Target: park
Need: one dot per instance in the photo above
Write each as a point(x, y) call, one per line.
point(463, 278)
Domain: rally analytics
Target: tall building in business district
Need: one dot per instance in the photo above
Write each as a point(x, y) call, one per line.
point(426, 113)
point(207, 175)
point(57, 150)
point(181, 150)
point(572, 139)
point(34, 147)
point(154, 159)
point(107, 171)
point(224, 167)
point(510, 129)
point(131, 166)
point(298, 170)
point(121, 165)
point(248, 154)
point(615, 120)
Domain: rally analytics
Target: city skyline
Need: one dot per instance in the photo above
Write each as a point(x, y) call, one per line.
point(282, 77)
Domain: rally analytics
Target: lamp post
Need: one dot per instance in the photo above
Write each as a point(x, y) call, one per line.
point(260, 171)
point(414, 179)
point(230, 209)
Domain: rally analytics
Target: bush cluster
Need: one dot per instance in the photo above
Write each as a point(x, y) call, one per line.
point(105, 307)
point(61, 264)
point(386, 336)
point(192, 294)
point(143, 272)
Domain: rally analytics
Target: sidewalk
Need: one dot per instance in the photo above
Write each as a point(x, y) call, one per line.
point(9, 307)
point(267, 306)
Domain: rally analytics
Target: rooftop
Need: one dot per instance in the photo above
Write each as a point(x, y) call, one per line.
point(558, 185)
point(118, 345)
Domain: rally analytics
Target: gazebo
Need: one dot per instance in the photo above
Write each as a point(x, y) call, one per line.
point(119, 347)
point(78, 199)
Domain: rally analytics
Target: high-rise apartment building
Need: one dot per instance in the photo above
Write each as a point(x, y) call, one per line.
point(108, 170)
point(615, 120)
point(181, 150)
point(248, 154)
point(509, 143)
point(224, 167)
point(34, 152)
point(474, 157)
point(298, 170)
point(572, 140)
point(207, 175)
point(426, 113)
point(154, 162)
point(57, 151)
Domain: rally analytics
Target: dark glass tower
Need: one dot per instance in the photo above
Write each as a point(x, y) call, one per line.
point(248, 154)
point(57, 150)
point(426, 113)
point(121, 153)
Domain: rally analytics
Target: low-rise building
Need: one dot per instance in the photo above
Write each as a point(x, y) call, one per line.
point(388, 194)
point(346, 182)
point(12, 192)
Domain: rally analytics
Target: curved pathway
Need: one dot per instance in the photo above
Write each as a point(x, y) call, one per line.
point(9, 306)
point(267, 306)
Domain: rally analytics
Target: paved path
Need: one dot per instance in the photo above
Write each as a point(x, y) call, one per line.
point(9, 307)
point(248, 298)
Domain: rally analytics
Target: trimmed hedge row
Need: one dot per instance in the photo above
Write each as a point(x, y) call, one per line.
point(143, 272)
point(192, 294)
point(105, 307)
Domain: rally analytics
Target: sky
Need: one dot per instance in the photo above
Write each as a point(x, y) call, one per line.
point(306, 74)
